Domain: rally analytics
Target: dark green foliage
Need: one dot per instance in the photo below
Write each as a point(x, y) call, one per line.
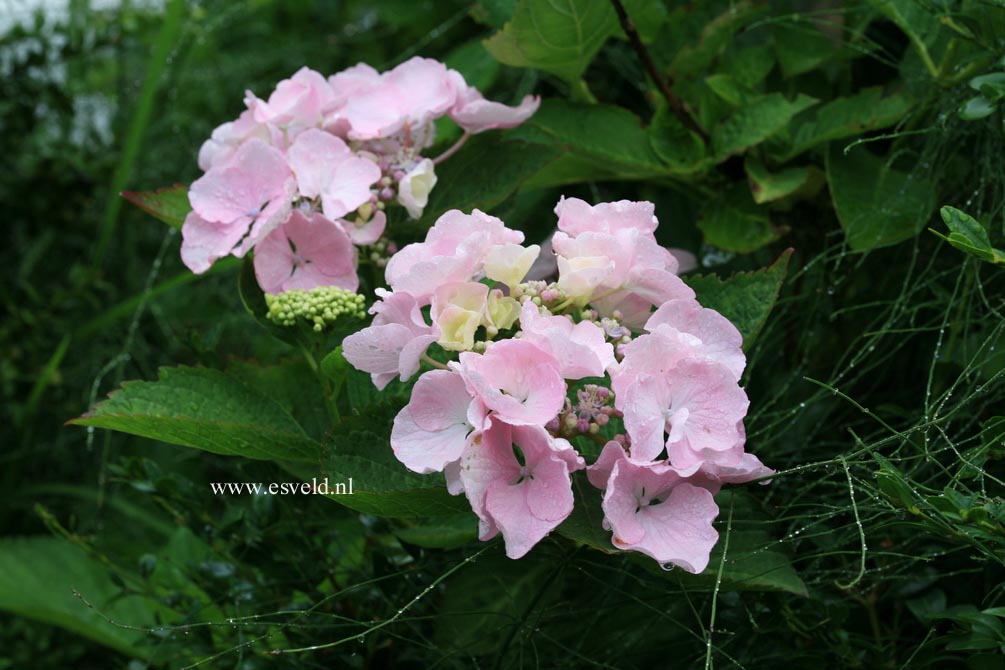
point(811, 147)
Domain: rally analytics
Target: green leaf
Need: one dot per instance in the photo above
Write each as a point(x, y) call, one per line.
point(607, 133)
point(204, 409)
point(977, 108)
point(968, 235)
point(483, 174)
point(991, 85)
point(876, 204)
point(800, 46)
point(169, 204)
point(447, 532)
point(756, 121)
point(381, 485)
point(681, 150)
point(746, 298)
point(734, 222)
point(768, 186)
point(694, 58)
point(557, 36)
point(585, 524)
point(869, 109)
point(38, 577)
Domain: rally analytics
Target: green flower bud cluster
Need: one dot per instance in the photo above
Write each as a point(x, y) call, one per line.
point(320, 306)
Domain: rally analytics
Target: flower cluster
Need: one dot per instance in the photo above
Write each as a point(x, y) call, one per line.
point(305, 176)
point(319, 306)
point(616, 352)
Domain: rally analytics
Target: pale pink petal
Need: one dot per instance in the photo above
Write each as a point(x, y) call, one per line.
point(365, 234)
point(475, 114)
point(651, 511)
point(516, 380)
point(425, 451)
point(204, 242)
point(580, 348)
point(717, 338)
point(576, 216)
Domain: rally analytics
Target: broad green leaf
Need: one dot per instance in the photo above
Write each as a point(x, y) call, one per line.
point(381, 485)
point(681, 149)
point(755, 122)
point(968, 235)
point(746, 298)
point(205, 409)
point(447, 532)
point(768, 186)
point(869, 109)
point(800, 46)
point(918, 22)
point(749, 66)
point(557, 36)
point(694, 58)
point(734, 222)
point(604, 132)
point(169, 204)
point(38, 577)
point(481, 175)
point(876, 204)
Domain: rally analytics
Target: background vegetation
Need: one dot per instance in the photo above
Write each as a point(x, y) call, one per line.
point(837, 129)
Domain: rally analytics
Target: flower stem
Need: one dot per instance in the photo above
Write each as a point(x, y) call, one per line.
point(452, 150)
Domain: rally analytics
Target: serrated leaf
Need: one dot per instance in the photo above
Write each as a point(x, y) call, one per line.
point(768, 186)
point(38, 576)
point(746, 298)
point(604, 132)
point(557, 36)
point(756, 121)
point(734, 222)
point(694, 58)
point(204, 409)
point(869, 109)
point(481, 175)
point(800, 46)
point(169, 204)
point(876, 204)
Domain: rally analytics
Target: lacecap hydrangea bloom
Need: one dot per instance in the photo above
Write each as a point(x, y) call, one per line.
point(304, 176)
point(614, 351)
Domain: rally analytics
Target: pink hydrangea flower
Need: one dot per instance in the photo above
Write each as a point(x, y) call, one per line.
point(576, 216)
point(297, 103)
point(305, 252)
point(327, 169)
point(517, 381)
point(454, 251)
point(227, 137)
point(523, 499)
point(436, 425)
point(651, 510)
point(236, 204)
point(394, 343)
point(412, 94)
point(697, 403)
point(713, 336)
point(580, 348)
